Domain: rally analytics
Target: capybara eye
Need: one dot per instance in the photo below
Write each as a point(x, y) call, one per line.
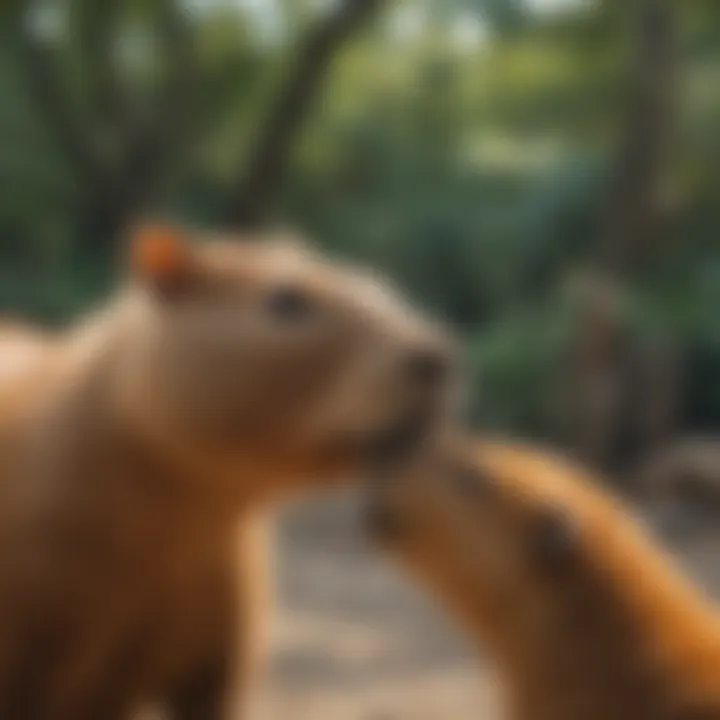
point(289, 304)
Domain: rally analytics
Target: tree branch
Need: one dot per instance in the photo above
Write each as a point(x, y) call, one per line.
point(167, 128)
point(255, 190)
point(106, 94)
point(73, 138)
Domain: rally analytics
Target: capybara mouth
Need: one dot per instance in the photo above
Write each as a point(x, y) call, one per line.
point(392, 444)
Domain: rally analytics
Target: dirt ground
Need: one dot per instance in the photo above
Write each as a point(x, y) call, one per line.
point(352, 640)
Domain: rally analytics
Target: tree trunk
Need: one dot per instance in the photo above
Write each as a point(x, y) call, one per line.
point(612, 386)
point(636, 209)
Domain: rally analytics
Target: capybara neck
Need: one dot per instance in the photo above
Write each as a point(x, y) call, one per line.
point(89, 418)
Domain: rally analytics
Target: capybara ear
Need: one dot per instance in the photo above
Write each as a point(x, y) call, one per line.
point(162, 258)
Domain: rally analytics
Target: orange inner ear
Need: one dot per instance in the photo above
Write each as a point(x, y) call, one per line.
point(159, 252)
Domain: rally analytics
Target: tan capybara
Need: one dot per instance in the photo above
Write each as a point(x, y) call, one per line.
point(21, 345)
point(582, 616)
point(222, 378)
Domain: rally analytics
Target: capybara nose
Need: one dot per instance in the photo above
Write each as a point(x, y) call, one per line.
point(430, 366)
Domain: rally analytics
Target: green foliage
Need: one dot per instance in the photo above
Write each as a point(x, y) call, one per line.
point(514, 366)
point(474, 174)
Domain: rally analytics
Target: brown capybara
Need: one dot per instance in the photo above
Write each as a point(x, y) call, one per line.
point(138, 456)
point(21, 345)
point(581, 615)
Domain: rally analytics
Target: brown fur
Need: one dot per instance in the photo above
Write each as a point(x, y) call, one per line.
point(20, 345)
point(583, 617)
point(135, 449)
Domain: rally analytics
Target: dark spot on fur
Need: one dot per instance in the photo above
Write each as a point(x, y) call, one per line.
point(289, 304)
point(471, 482)
point(553, 537)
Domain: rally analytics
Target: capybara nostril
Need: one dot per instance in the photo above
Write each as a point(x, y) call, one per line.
point(429, 366)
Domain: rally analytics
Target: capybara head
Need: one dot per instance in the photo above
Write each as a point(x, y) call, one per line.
point(262, 352)
point(487, 525)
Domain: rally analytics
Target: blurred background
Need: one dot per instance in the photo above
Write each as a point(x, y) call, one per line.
point(538, 172)
point(543, 174)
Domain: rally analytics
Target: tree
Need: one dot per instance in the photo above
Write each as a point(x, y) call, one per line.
point(121, 140)
point(117, 154)
point(624, 398)
point(636, 210)
point(252, 194)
